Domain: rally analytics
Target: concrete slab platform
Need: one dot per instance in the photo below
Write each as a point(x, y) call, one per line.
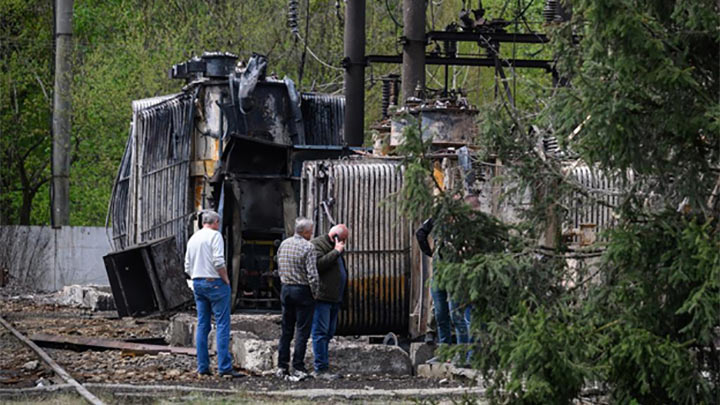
point(181, 330)
point(254, 340)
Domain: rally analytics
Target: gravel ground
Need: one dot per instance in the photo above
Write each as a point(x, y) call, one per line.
point(29, 316)
point(19, 365)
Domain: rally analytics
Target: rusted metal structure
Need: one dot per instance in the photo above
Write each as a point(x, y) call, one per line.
point(360, 193)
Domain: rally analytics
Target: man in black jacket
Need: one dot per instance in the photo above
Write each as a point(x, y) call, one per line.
point(333, 280)
point(446, 311)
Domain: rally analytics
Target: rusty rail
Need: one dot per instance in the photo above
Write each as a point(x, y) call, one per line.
point(84, 343)
point(54, 365)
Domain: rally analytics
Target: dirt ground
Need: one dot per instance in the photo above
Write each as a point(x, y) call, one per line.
point(21, 368)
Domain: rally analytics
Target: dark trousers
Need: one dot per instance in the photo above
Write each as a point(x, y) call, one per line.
point(298, 307)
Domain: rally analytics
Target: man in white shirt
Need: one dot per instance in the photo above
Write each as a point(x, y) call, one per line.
point(205, 264)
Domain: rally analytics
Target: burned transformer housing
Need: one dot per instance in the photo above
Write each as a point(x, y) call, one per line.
point(233, 140)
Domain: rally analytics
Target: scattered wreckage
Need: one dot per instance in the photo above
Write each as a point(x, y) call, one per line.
point(251, 147)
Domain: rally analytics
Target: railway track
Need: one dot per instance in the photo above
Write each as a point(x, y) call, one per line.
point(84, 392)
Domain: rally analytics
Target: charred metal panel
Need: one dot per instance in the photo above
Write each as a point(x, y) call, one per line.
point(261, 205)
point(323, 118)
point(211, 64)
point(123, 207)
point(359, 193)
point(268, 114)
point(119, 201)
point(169, 270)
point(161, 176)
point(147, 278)
point(256, 215)
point(249, 156)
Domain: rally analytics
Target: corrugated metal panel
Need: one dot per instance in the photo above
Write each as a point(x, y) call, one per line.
point(163, 136)
point(122, 208)
point(323, 118)
point(145, 103)
point(151, 195)
point(359, 194)
point(595, 208)
point(120, 200)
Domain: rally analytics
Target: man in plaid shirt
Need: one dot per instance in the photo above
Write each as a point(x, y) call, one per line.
point(300, 283)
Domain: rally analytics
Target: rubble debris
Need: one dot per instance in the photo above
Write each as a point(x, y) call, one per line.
point(92, 297)
point(83, 343)
point(116, 368)
point(31, 365)
point(448, 371)
point(254, 355)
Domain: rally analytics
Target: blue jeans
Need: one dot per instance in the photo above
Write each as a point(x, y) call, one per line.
point(323, 330)
point(212, 297)
point(447, 311)
point(298, 306)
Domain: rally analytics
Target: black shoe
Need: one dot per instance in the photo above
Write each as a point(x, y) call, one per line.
point(206, 372)
point(430, 338)
point(231, 374)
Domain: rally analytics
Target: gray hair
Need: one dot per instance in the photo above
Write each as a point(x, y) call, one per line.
point(209, 217)
point(303, 224)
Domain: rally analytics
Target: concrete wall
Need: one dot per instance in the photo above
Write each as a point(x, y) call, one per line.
point(49, 259)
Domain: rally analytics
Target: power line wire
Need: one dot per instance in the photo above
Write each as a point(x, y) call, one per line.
point(387, 6)
point(310, 51)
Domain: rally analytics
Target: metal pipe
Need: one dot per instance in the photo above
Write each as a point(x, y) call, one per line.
point(354, 64)
point(62, 109)
point(485, 37)
point(487, 62)
point(413, 67)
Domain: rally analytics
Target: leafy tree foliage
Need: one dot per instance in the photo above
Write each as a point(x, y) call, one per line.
point(25, 107)
point(640, 322)
point(123, 49)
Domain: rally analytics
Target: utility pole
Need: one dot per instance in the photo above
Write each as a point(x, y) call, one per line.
point(354, 64)
point(413, 67)
point(62, 110)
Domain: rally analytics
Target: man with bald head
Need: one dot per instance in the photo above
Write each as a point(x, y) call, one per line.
point(333, 279)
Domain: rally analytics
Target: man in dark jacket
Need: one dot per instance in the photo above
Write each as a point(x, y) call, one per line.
point(445, 309)
point(333, 280)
